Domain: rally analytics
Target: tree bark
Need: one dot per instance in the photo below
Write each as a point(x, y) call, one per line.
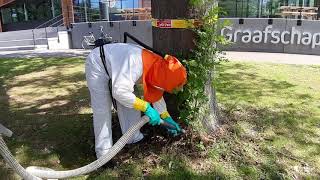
point(180, 42)
point(177, 42)
point(211, 119)
point(210, 111)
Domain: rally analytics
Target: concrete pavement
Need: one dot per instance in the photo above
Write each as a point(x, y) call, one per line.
point(279, 58)
point(44, 53)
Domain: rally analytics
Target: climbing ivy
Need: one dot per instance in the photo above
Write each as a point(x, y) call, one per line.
point(201, 64)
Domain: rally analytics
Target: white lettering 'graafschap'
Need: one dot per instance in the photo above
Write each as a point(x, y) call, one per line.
point(275, 37)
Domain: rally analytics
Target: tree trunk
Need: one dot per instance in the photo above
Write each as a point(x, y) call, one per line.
point(177, 42)
point(211, 117)
point(210, 111)
point(180, 42)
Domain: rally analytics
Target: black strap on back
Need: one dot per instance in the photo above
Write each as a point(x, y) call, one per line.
point(103, 59)
point(126, 34)
point(99, 43)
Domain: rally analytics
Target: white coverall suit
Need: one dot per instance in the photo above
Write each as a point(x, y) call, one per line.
point(125, 66)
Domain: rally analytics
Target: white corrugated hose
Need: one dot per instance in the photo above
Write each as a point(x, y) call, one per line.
point(36, 173)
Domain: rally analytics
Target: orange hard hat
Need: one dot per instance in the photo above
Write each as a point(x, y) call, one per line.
point(161, 74)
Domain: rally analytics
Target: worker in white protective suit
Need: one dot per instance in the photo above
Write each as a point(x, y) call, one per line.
point(127, 65)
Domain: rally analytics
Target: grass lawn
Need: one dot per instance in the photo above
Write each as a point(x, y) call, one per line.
point(272, 121)
point(271, 124)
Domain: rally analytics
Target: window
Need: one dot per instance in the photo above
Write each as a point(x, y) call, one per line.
point(12, 14)
point(40, 9)
point(30, 10)
point(94, 10)
point(259, 8)
point(243, 8)
point(6, 15)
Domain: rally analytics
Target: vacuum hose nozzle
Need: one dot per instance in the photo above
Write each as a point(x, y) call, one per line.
point(170, 126)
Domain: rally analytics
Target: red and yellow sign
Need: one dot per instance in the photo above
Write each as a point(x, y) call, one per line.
point(174, 23)
point(164, 23)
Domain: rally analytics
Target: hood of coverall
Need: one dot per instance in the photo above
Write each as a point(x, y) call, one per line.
point(165, 73)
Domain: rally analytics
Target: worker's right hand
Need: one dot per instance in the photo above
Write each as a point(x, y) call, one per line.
point(153, 115)
point(173, 123)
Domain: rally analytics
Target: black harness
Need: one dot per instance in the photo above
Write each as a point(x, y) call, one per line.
point(103, 59)
point(101, 42)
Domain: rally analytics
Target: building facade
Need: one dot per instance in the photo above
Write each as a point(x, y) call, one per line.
point(307, 9)
point(29, 14)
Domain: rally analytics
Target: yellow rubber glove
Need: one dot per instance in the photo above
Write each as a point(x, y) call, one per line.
point(140, 105)
point(145, 107)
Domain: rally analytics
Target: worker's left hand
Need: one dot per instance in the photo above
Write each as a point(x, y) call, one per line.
point(173, 132)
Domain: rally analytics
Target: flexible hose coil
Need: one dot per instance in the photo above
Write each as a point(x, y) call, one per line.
point(35, 173)
point(13, 163)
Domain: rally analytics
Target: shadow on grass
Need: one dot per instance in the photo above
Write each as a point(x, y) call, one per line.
point(43, 105)
point(178, 169)
point(55, 132)
point(49, 131)
point(287, 112)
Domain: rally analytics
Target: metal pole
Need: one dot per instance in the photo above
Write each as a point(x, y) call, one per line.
point(25, 12)
point(68, 18)
point(257, 15)
point(45, 29)
point(52, 8)
point(108, 18)
point(85, 11)
point(247, 13)
point(242, 8)
point(236, 15)
point(133, 9)
point(270, 11)
point(260, 8)
point(34, 41)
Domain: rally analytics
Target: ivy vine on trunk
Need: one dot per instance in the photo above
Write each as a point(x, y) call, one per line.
point(197, 102)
